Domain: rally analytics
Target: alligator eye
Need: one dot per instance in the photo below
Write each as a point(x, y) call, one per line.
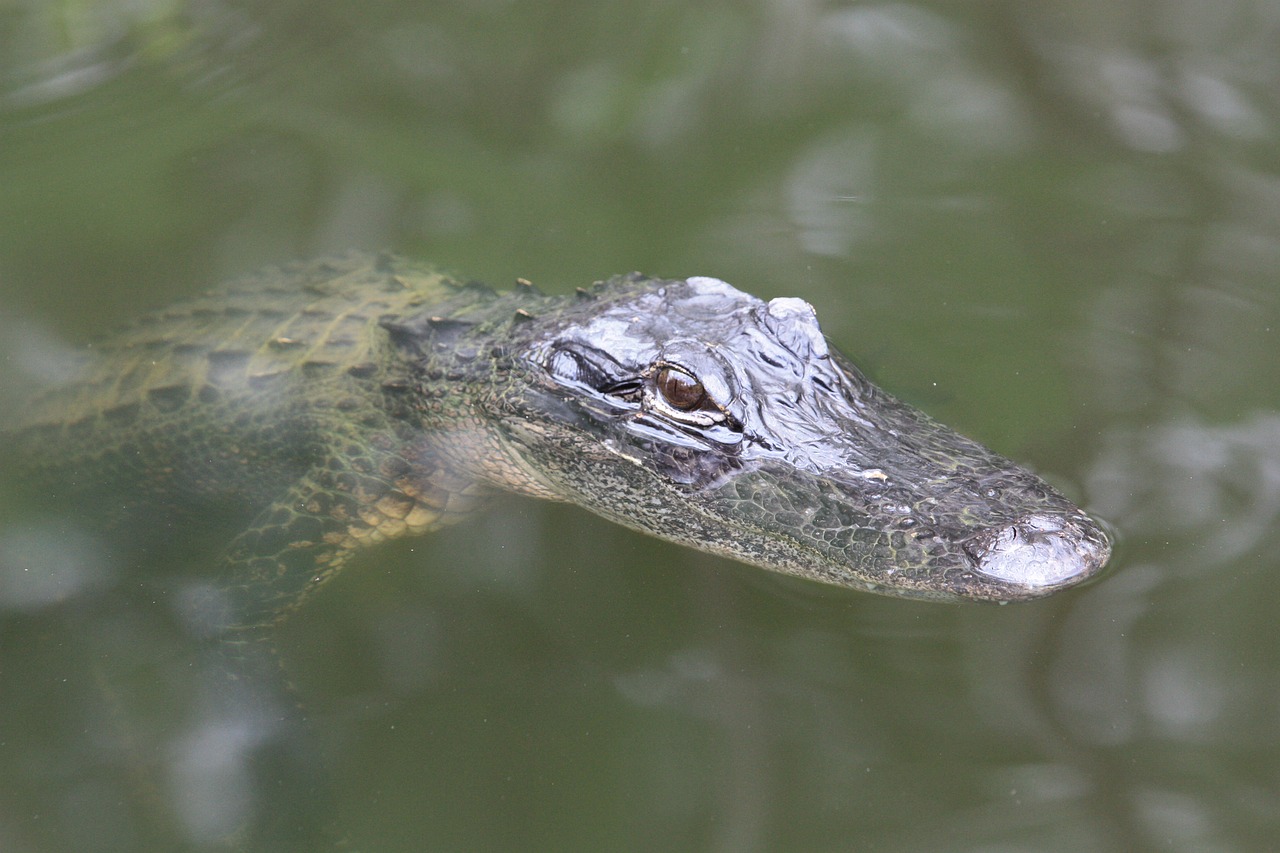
point(680, 390)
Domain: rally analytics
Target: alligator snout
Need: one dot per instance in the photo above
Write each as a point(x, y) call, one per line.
point(1039, 551)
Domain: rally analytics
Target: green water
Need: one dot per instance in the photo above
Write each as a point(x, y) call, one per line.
point(1054, 226)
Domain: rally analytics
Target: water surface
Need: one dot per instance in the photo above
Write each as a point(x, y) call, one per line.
point(1056, 228)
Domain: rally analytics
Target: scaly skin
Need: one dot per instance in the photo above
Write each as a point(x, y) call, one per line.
point(325, 406)
point(261, 404)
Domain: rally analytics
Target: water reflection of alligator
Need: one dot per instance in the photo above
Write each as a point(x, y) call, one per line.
point(339, 403)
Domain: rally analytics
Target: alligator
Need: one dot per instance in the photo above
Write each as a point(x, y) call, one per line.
point(319, 407)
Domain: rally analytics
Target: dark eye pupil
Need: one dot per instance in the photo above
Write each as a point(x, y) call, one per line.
point(679, 389)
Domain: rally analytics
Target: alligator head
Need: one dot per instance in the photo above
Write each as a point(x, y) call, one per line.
point(700, 414)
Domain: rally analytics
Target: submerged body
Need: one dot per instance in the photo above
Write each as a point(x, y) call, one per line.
point(330, 405)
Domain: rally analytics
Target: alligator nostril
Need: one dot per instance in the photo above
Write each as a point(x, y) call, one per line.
point(1038, 551)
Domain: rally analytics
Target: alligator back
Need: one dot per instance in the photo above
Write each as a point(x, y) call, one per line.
point(222, 394)
point(265, 393)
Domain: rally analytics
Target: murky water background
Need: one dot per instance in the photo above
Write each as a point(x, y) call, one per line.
point(1054, 226)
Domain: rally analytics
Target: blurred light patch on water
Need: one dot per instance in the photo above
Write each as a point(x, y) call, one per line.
point(1217, 486)
point(32, 357)
point(43, 562)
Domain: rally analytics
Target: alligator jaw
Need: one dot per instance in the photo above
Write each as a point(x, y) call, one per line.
point(1019, 542)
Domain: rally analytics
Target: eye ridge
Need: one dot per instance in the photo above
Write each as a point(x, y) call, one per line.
point(679, 388)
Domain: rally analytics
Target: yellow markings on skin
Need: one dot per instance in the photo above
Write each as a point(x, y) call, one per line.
point(300, 337)
point(392, 527)
point(473, 489)
point(227, 342)
point(433, 497)
point(420, 518)
point(407, 506)
point(172, 347)
point(406, 510)
point(395, 506)
point(360, 532)
point(416, 296)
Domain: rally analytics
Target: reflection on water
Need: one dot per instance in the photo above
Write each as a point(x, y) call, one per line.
point(1216, 486)
point(43, 563)
point(1054, 225)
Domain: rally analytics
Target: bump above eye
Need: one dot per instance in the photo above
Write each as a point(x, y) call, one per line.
point(679, 389)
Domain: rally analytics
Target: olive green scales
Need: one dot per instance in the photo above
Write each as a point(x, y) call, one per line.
point(323, 406)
